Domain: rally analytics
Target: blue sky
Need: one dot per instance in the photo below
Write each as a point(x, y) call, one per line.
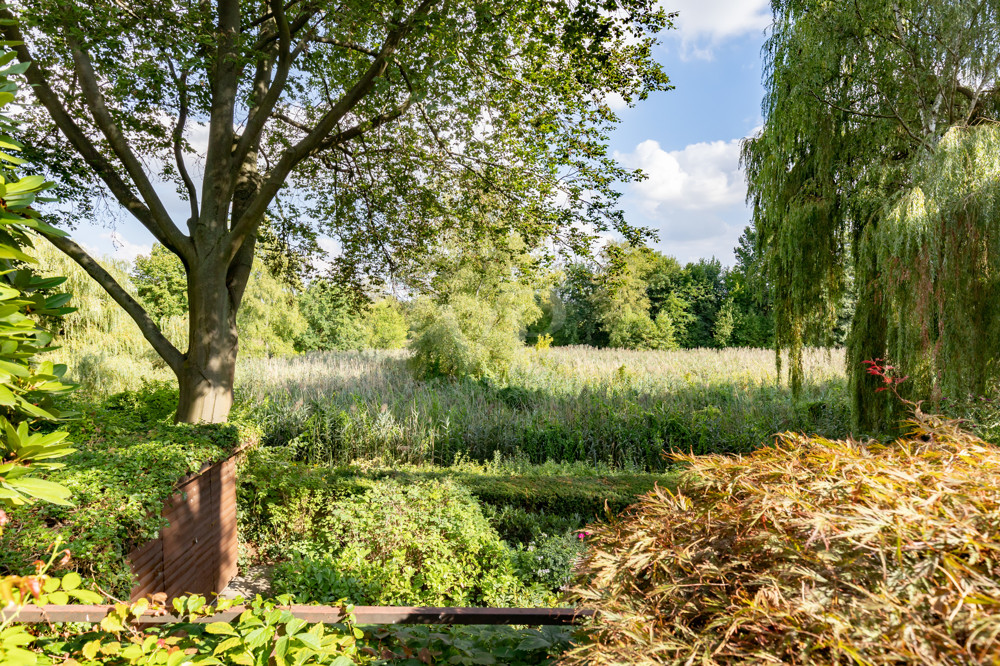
point(686, 140)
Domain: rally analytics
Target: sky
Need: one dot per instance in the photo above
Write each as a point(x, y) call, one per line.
point(686, 140)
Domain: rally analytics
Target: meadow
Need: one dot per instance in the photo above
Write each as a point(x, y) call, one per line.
point(608, 407)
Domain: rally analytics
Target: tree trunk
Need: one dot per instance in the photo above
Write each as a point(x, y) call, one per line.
point(207, 374)
point(215, 291)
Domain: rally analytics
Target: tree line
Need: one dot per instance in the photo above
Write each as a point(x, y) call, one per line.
point(628, 297)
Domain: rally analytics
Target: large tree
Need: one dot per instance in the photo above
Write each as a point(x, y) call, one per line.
point(863, 99)
point(382, 122)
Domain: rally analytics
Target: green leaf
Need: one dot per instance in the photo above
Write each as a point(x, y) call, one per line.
point(227, 645)
point(71, 581)
point(43, 490)
point(221, 628)
point(86, 596)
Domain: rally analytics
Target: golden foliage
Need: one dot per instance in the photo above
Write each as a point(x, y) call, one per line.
point(809, 552)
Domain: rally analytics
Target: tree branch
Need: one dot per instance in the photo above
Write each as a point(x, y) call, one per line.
point(252, 217)
point(102, 117)
point(178, 136)
point(219, 179)
point(94, 157)
point(345, 45)
point(149, 329)
point(269, 92)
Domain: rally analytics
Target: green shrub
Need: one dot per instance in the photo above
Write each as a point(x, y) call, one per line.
point(809, 552)
point(518, 526)
point(465, 646)
point(402, 544)
point(551, 560)
point(154, 401)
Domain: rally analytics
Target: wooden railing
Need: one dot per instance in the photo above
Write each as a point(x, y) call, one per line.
point(326, 614)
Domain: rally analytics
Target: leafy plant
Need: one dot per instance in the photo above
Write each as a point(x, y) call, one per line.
point(264, 634)
point(28, 388)
point(423, 543)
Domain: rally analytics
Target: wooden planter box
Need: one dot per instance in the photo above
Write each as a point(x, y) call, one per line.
point(196, 552)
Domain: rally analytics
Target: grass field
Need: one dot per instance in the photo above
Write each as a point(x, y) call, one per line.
point(608, 407)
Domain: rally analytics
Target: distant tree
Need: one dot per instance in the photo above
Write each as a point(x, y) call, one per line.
point(338, 318)
point(386, 325)
point(702, 288)
point(161, 283)
point(332, 315)
point(577, 293)
point(748, 304)
point(269, 320)
point(476, 308)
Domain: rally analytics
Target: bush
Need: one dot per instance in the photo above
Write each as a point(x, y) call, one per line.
point(415, 544)
point(469, 645)
point(809, 552)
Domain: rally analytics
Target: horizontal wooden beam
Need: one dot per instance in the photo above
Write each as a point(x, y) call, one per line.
point(325, 614)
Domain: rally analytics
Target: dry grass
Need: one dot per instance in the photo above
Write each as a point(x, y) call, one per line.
point(809, 552)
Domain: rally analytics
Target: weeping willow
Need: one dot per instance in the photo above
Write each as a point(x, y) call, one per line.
point(875, 172)
point(937, 259)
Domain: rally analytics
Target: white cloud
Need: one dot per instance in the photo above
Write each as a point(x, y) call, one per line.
point(694, 197)
point(111, 245)
point(704, 24)
point(701, 176)
point(615, 101)
point(124, 249)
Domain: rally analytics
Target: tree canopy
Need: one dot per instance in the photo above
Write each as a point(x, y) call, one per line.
point(859, 98)
point(381, 124)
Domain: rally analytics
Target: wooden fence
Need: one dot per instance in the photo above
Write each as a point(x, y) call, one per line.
point(330, 615)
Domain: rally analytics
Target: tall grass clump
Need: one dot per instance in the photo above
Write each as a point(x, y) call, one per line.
point(615, 407)
point(810, 552)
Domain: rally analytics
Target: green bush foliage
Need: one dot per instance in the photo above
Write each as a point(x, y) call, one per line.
point(810, 552)
point(335, 320)
point(285, 507)
point(124, 468)
point(423, 544)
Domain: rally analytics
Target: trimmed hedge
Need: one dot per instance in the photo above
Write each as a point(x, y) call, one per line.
point(125, 467)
